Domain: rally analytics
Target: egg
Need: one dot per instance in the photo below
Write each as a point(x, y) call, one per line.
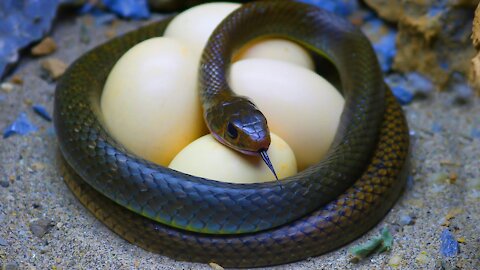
point(208, 158)
point(300, 106)
point(277, 49)
point(150, 101)
point(195, 25)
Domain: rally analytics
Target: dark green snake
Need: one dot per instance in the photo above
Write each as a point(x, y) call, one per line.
point(191, 218)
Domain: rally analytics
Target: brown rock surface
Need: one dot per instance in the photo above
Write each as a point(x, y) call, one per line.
point(474, 75)
point(433, 36)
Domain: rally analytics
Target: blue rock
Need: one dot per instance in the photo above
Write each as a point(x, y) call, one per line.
point(23, 22)
point(419, 83)
point(132, 9)
point(42, 112)
point(340, 7)
point(21, 126)
point(405, 220)
point(399, 88)
point(101, 17)
point(437, 127)
point(403, 96)
point(449, 245)
point(475, 133)
point(386, 50)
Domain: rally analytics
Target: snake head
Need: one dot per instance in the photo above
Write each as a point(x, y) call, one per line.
point(237, 123)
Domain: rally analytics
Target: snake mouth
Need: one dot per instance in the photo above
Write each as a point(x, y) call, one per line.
point(262, 152)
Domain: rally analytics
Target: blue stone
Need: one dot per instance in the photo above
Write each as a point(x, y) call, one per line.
point(133, 9)
point(42, 112)
point(21, 126)
point(449, 245)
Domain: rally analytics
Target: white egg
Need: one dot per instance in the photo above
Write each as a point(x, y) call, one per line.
point(300, 106)
point(195, 25)
point(208, 158)
point(277, 49)
point(150, 101)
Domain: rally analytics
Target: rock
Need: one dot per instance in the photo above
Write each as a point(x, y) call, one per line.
point(449, 245)
point(3, 242)
point(422, 258)
point(16, 79)
point(40, 227)
point(433, 36)
point(395, 260)
point(405, 220)
point(21, 126)
point(4, 183)
point(54, 66)
point(42, 112)
point(23, 21)
point(132, 9)
point(215, 266)
point(45, 47)
point(6, 87)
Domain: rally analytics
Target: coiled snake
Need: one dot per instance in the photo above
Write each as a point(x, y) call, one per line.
point(191, 218)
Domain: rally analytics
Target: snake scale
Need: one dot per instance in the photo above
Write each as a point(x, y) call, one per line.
point(195, 219)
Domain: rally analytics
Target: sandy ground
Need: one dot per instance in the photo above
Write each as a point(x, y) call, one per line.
point(43, 226)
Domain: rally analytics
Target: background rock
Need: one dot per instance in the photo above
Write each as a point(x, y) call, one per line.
point(433, 36)
point(475, 64)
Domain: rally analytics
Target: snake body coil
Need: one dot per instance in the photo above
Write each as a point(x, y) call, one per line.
point(190, 218)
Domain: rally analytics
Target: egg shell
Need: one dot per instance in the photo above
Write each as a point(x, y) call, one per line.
point(300, 106)
point(208, 158)
point(150, 101)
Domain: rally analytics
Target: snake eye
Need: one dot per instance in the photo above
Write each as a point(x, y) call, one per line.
point(232, 131)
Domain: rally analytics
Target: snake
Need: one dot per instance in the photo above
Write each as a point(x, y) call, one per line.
point(185, 217)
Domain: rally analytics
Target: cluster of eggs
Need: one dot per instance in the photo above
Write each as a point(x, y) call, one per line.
point(150, 102)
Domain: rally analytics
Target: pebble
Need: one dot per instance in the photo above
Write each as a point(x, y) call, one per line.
point(422, 257)
point(21, 126)
point(464, 93)
point(42, 112)
point(7, 87)
point(133, 9)
point(5, 183)
point(449, 245)
point(215, 266)
point(17, 79)
point(40, 227)
point(406, 220)
point(54, 66)
point(3, 242)
point(403, 96)
point(38, 166)
point(45, 47)
point(395, 260)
